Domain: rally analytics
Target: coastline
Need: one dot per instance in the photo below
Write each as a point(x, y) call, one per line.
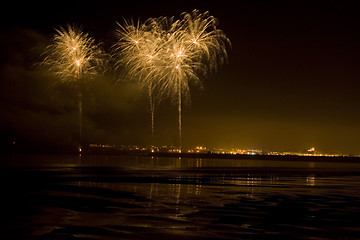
point(342, 159)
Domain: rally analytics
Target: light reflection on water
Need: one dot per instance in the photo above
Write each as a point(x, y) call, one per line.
point(112, 197)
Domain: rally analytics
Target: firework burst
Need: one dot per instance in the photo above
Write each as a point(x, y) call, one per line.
point(167, 55)
point(72, 55)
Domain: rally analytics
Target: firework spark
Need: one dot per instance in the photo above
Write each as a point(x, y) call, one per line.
point(72, 55)
point(168, 55)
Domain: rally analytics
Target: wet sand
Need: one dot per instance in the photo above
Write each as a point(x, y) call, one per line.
point(123, 197)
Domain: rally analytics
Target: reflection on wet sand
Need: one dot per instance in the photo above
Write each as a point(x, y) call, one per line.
point(310, 180)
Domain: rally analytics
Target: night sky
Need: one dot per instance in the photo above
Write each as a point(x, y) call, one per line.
point(291, 82)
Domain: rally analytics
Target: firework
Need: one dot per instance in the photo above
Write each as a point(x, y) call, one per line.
point(197, 49)
point(72, 55)
point(139, 49)
point(167, 55)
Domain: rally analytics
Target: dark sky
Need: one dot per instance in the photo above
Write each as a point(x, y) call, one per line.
point(291, 82)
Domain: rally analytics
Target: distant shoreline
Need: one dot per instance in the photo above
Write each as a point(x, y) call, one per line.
point(343, 159)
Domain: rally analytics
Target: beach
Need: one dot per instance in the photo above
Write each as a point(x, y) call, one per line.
point(142, 197)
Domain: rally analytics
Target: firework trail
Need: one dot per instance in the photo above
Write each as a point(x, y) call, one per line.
point(168, 55)
point(72, 55)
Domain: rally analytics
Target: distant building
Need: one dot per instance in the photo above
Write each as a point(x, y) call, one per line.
point(311, 151)
point(94, 145)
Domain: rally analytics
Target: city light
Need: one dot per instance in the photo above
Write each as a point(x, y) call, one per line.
point(204, 151)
